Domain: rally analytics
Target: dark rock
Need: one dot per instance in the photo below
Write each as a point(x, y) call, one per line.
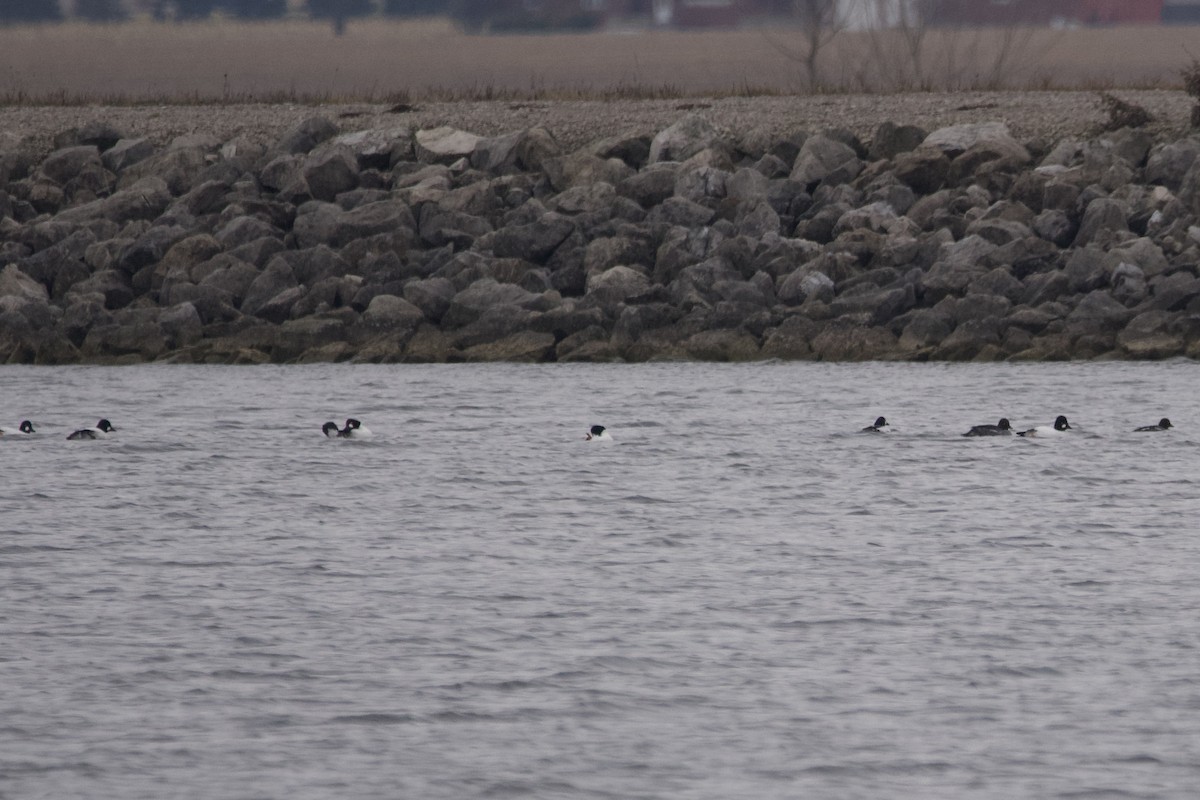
point(882, 305)
point(890, 140)
point(325, 223)
point(970, 340)
point(722, 345)
point(1055, 227)
point(1098, 313)
point(650, 186)
point(533, 242)
point(470, 303)
point(850, 341)
point(306, 135)
point(681, 212)
point(181, 169)
point(927, 327)
point(244, 230)
point(1174, 292)
point(923, 170)
point(65, 164)
point(493, 324)
point(276, 278)
point(181, 325)
point(1089, 268)
point(1170, 164)
point(114, 286)
point(297, 336)
point(1102, 215)
point(1149, 336)
point(125, 153)
point(330, 172)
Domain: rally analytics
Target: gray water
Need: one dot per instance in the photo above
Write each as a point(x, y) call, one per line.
point(742, 597)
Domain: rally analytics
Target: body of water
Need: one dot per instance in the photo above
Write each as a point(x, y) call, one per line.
point(741, 597)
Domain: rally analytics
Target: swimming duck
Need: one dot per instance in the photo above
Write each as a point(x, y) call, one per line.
point(1060, 426)
point(102, 430)
point(353, 430)
point(25, 427)
point(880, 423)
point(598, 433)
point(1163, 424)
point(1002, 428)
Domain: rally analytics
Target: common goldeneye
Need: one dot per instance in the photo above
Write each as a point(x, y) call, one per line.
point(1060, 426)
point(598, 433)
point(1002, 428)
point(353, 430)
point(880, 423)
point(102, 430)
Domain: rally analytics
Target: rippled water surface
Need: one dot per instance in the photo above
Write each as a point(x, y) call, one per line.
point(742, 597)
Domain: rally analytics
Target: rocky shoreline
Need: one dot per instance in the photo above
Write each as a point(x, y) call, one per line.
point(405, 244)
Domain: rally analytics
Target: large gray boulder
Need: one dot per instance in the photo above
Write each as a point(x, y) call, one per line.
point(1169, 164)
point(469, 304)
point(376, 148)
point(684, 139)
point(125, 153)
point(444, 145)
point(144, 199)
point(1150, 336)
point(65, 164)
point(390, 312)
point(1103, 216)
point(276, 278)
point(325, 223)
point(617, 285)
point(532, 242)
point(803, 284)
point(330, 172)
point(954, 140)
point(306, 135)
point(825, 159)
point(16, 284)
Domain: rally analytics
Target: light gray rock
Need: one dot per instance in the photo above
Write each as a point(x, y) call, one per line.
point(684, 139)
point(444, 145)
point(823, 158)
point(957, 139)
point(470, 303)
point(617, 285)
point(125, 153)
point(390, 312)
point(376, 148)
point(804, 284)
point(16, 284)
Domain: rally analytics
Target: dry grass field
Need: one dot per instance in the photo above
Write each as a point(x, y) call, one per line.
point(380, 61)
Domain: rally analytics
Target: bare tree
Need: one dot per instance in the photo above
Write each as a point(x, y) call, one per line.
point(910, 50)
point(819, 22)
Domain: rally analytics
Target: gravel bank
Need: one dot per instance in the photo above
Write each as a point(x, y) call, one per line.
point(1048, 116)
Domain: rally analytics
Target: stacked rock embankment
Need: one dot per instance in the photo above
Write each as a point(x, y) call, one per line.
point(391, 245)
